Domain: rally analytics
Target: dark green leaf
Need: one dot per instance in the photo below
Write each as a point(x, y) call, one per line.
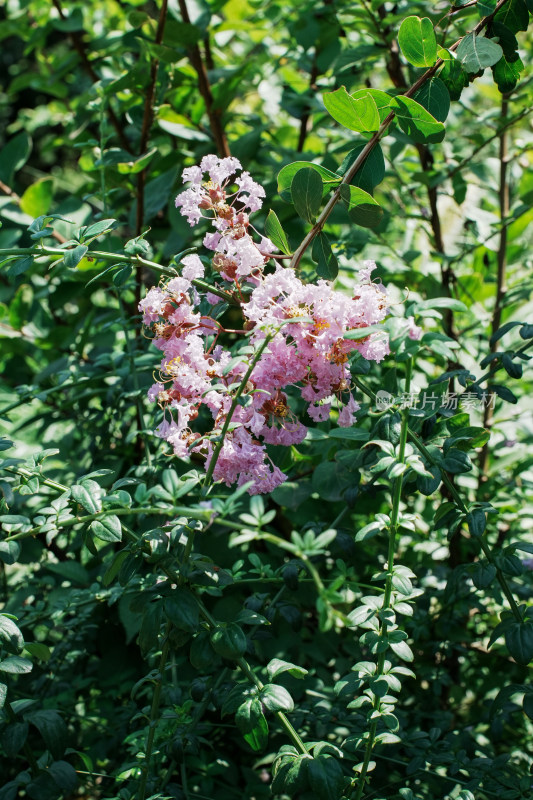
point(13, 738)
point(306, 193)
point(286, 175)
point(327, 264)
point(181, 608)
point(454, 77)
point(52, 728)
point(416, 38)
point(14, 155)
point(326, 777)
point(10, 635)
point(73, 257)
point(277, 667)
point(64, 776)
point(371, 173)
point(229, 641)
point(9, 553)
point(87, 494)
point(276, 698)
point(107, 528)
point(519, 641)
point(504, 393)
point(456, 462)
point(514, 15)
point(16, 665)
point(252, 723)
point(362, 208)
point(416, 122)
point(435, 98)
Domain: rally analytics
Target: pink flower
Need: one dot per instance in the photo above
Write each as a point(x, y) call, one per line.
point(347, 415)
point(413, 331)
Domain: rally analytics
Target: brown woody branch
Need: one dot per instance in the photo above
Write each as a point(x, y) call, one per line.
point(376, 138)
point(76, 37)
point(214, 114)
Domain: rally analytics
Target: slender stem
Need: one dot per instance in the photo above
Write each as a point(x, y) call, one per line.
point(393, 534)
point(501, 289)
point(240, 390)
point(154, 712)
point(142, 440)
point(321, 221)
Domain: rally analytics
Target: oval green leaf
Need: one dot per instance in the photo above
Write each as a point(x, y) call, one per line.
point(355, 113)
point(362, 208)
point(306, 192)
point(476, 53)
point(417, 41)
point(416, 122)
point(327, 264)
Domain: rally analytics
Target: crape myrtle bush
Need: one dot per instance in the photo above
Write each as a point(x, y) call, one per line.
point(289, 554)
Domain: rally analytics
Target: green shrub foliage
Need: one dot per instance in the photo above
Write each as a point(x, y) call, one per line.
point(359, 625)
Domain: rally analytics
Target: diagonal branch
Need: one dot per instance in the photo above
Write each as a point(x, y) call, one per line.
point(214, 114)
point(360, 160)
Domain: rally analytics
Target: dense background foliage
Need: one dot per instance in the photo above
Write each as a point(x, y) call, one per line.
point(128, 645)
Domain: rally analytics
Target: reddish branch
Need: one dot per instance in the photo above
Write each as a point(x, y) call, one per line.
point(148, 117)
point(214, 114)
point(76, 37)
point(376, 138)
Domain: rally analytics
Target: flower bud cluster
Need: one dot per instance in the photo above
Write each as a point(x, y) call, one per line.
point(305, 325)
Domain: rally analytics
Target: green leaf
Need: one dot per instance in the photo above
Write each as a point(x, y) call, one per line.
point(10, 635)
point(416, 122)
point(326, 777)
point(290, 775)
point(355, 113)
point(52, 728)
point(201, 655)
point(73, 257)
point(286, 175)
point(181, 608)
point(454, 77)
point(371, 173)
point(275, 233)
point(229, 641)
point(514, 15)
point(276, 698)
point(276, 667)
point(482, 574)
point(9, 552)
point(435, 98)
point(87, 494)
point(64, 776)
point(306, 192)
point(380, 98)
point(327, 264)
point(98, 227)
point(519, 641)
point(477, 522)
point(14, 155)
point(476, 53)
point(417, 41)
point(3, 694)
point(16, 665)
point(38, 650)
point(13, 738)
point(107, 528)
point(37, 198)
point(19, 266)
point(504, 393)
point(362, 208)
point(252, 723)
point(456, 462)
point(507, 72)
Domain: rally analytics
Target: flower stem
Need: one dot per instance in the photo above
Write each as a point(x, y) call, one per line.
point(238, 393)
point(393, 532)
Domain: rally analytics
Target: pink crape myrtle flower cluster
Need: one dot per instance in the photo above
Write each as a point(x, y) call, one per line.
point(305, 325)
